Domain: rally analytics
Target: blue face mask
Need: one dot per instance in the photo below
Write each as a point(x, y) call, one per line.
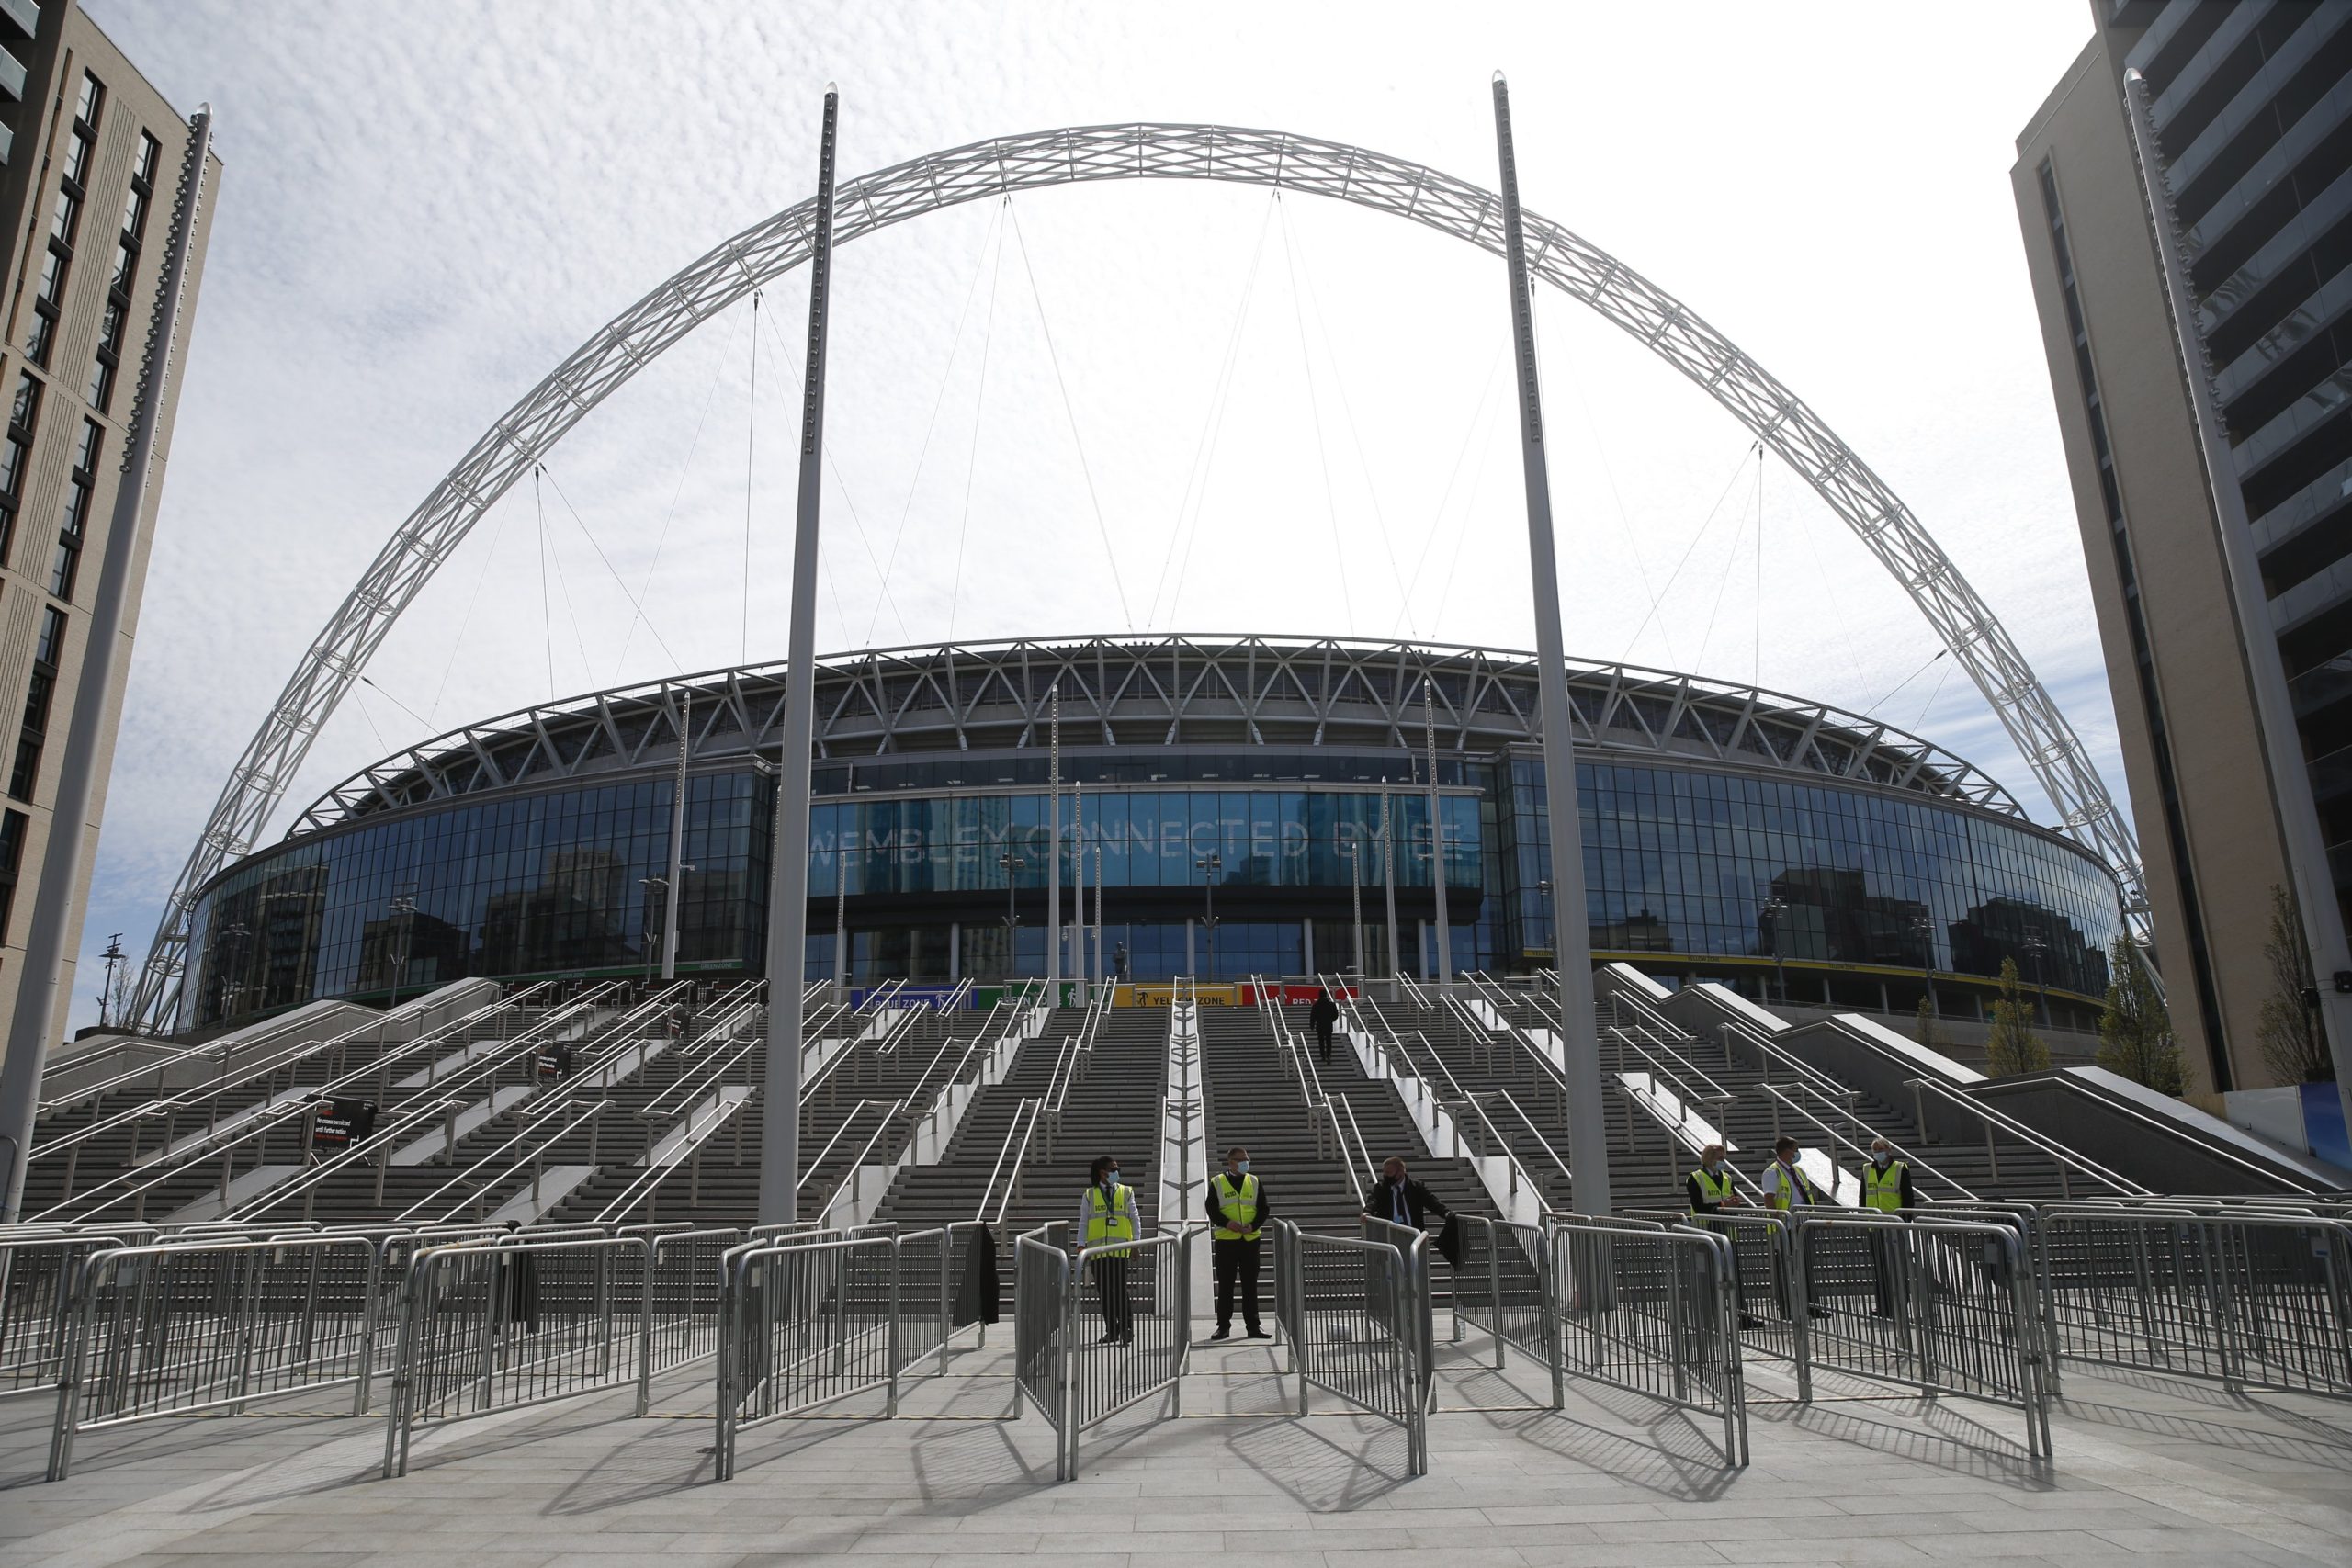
point(1241, 1168)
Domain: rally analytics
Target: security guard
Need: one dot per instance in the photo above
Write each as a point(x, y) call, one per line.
point(1107, 1214)
point(1711, 1192)
point(1238, 1210)
point(1886, 1187)
point(1886, 1180)
point(1786, 1186)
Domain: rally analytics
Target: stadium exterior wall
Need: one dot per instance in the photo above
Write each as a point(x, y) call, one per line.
point(1784, 846)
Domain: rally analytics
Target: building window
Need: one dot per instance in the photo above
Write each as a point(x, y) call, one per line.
point(150, 154)
point(86, 111)
point(12, 855)
point(65, 562)
point(107, 360)
point(15, 457)
point(47, 650)
point(109, 355)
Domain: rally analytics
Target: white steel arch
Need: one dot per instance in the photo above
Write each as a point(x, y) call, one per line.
point(1076, 155)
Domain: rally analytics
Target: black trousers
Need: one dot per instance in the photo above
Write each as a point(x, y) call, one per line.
point(1236, 1262)
point(1323, 1039)
point(1111, 1295)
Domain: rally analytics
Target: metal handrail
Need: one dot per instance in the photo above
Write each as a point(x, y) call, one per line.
point(2066, 1159)
point(849, 1179)
point(522, 1134)
point(1018, 1138)
point(889, 1108)
point(1780, 1097)
point(377, 1143)
point(195, 1097)
point(698, 1132)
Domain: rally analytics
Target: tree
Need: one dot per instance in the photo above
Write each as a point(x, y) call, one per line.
point(2135, 1029)
point(2286, 1029)
point(2013, 1046)
point(1924, 1029)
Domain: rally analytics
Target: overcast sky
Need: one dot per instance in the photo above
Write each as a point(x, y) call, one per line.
point(1290, 412)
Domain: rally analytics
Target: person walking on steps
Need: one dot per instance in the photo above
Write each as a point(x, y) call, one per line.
point(1401, 1201)
point(1323, 1015)
point(1107, 1214)
point(1238, 1210)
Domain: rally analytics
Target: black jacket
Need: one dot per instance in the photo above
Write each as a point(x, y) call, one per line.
point(1420, 1203)
point(1324, 1013)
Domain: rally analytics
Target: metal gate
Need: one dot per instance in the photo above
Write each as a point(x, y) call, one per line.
point(1140, 1295)
point(1357, 1316)
point(1651, 1308)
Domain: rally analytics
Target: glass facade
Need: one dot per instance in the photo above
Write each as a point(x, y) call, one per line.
point(1681, 863)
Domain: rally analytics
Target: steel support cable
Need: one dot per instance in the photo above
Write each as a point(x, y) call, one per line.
point(1624, 523)
point(743, 263)
point(1347, 414)
point(938, 401)
point(580, 523)
point(1211, 415)
point(547, 610)
point(1069, 412)
point(1315, 410)
point(1453, 475)
point(1658, 604)
point(1723, 585)
point(465, 622)
point(979, 404)
point(645, 590)
point(857, 523)
point(1469, 510)
point(750, 466)
point(1196, 486)
point(563, 587)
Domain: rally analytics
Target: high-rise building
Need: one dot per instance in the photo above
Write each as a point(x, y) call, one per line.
point(2246, 144)
point(95, 187)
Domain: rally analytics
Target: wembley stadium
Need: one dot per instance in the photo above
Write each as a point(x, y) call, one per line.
point(1223, 803)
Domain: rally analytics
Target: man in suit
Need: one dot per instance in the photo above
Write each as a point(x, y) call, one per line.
point(1401, 1201)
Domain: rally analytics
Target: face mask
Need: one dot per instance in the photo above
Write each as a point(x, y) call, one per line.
point(1882, 1159)
point(1241, 1168)
point(1396, 1181)
point(1714, 1168)
point(1109, 1179)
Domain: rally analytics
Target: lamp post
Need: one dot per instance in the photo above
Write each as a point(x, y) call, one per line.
point(1012, 865)
point(1924, 926)
point(1356, 898)
point(2035, 946)
point(1777, 911)
point(1551, 921)
point(403, 906)
point(1388, 881)
point(1210, 864)
point(1437, 843)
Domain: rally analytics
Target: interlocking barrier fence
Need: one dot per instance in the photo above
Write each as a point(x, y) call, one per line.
point(1975, 1301)
point(1354, 1311)
point(1945, 1306)
point(1140, 1295)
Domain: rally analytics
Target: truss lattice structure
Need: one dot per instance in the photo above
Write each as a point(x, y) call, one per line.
point(1156, 692)
point(1076, 155)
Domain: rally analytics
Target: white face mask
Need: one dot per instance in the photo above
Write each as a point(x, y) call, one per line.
point(1714, 1168)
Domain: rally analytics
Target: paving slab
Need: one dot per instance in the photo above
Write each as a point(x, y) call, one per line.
point(2148, 1470)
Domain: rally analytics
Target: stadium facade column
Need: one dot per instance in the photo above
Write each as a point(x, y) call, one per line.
point(1572, 937)
point(52, 918)
point(788, 856)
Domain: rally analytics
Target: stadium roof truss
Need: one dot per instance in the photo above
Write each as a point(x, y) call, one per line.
point(1078, 156)
point(905, 702)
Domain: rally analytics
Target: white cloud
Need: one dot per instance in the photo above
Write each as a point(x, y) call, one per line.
point(418, 222)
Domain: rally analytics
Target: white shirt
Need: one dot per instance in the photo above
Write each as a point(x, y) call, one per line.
point(1776, 1175)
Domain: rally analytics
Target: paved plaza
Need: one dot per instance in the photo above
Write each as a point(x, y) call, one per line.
point(2149, 1471)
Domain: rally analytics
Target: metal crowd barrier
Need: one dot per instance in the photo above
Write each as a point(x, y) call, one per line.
point(806, 1321)
point(1140, 1293)
point(1506, 1283)
point(210, 1327)
point(1945, 1306)
point(39, 1275)
point(501, 1324)
point(679, 1303)
point(1356, 1313)
point(1651, 1309)
point(2249, 1298)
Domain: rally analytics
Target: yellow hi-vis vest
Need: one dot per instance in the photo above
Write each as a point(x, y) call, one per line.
point(1107, 1220)
point(1716, 1189)
point(1883, 1190)
point(1790, 1176)
point(1238, 1206)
